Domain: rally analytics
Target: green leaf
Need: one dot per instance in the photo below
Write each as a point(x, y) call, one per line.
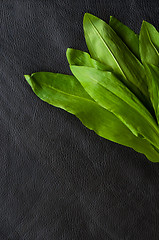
point(152, 73)
point(67, 93)
point(80, 58)
point(111, 94)
point(105, 46)
point(149, 44)
point(127, 35)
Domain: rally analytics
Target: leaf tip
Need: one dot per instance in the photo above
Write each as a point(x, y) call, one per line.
point(144, 22)
point(28, 79)
point(143, 25)
point(111, 18)
point(87, 16)
point(68, 52)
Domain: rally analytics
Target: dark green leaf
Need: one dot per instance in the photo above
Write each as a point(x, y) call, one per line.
point(153, 85)
point(128, 36)
point(149, 44)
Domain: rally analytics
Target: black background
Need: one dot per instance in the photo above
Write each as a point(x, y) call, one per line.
point(59, 180)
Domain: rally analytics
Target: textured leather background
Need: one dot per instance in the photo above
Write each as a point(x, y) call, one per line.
point(59, 180)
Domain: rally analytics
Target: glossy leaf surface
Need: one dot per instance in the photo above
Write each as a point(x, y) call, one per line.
point(111, 94)
point(105, 46)
point(52, 88)
point(80, 58)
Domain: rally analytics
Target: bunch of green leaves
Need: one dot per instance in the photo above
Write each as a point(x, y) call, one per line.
point(114, 90)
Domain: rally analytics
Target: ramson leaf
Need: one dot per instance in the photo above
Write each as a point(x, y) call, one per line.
point(105, 46)
point(152, 73)
point(114, 90)
point(66, 92)
point(128, 36)
point(80, 58)
point(149, 44)
point(114, 96)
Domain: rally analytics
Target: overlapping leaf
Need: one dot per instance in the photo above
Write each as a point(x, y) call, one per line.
point(66, 92)
point(80, 58)
point(149, 44)
point(52, 88)
point(113, 95)
point(105, 46)
point(153, 84)
point(128, 36)
point(112, 89)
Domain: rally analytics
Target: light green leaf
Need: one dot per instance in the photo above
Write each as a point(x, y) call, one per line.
point(152, 73)
point(66, 92)
point(112, 95)
point(80, 58)
point(149, 44)
point(112, 92)
point(127, 35)
point(105, 46)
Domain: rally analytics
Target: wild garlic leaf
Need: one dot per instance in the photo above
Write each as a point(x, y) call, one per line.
point(152, 73)
point(66, 92)
point(105, 46)
point(111, 91)
point(129, 37)
point(80, 58)
point(111, 94)
point(149, 44)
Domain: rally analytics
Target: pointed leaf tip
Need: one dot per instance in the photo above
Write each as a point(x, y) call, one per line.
point(28, 79)
point(144, 22)
point(85, 15)
point(111, 18)
point(88, 15)
point(68, 51)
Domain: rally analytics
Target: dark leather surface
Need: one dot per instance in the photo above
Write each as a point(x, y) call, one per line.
point(59, 180)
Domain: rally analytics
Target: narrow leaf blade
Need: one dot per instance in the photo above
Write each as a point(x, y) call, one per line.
point(149, 44)
point(67, 93)
point(80, 58)
point(128, 36)
point(105, 46)
point(112, 95)
point(152, 73)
